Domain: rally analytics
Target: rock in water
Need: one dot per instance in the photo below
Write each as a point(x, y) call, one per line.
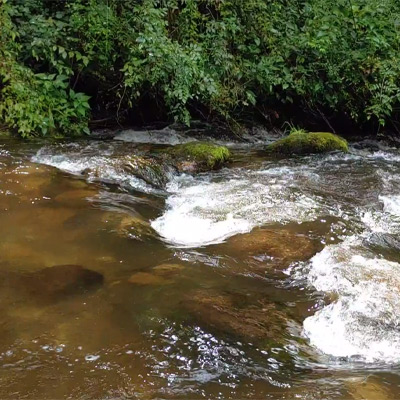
point(385, 244)
point(282, 245)
point(301, 142)
point(147, 278)
point(61, 280)
point(226, 313)
point(154, 172)
point(198, 156)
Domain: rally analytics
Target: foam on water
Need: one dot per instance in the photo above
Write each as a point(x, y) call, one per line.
point(202, 211)
point(80, 160)
point(364, 322)
point(391, 204)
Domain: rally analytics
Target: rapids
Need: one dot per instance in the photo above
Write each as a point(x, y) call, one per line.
point(272, 278)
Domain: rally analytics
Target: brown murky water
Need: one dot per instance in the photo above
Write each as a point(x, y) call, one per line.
point(198, 314)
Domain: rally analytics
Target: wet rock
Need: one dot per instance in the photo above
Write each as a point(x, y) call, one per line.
point(146, 278)
point(385, 244)
point(73, 197)
point(301, 142)
point(368, 389)
point(198, 156)
point(61, 280)
point(281, 245)
point(53, 283)
point(134, 226)
point(152, 171)
point(167, 270)
point(229, 314)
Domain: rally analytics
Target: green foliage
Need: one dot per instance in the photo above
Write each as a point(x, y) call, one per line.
point(31, 101)
point(211, 155)
point(302, 142)
point(219, 57)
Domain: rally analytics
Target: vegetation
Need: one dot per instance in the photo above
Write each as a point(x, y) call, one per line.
point(206, 156)
point(302, 142)
point(64, 62)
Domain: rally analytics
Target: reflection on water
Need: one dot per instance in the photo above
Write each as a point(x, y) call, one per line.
point(268, 279)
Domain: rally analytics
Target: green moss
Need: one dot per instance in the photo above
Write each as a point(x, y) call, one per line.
point(207, 155)
point(301, 142)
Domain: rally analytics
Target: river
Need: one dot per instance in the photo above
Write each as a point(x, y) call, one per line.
point(270, 278)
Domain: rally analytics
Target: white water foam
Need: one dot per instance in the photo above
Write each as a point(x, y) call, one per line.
point(391, 204)
point(100, 167)
point(201, 212)
point(364, 322)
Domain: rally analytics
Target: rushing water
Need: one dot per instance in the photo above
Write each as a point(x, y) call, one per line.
point(272, 278)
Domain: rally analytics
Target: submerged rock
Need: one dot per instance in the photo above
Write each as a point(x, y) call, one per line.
point(147, 278)
point(135, 226)
point(226, 313)
point(301, 142)
point(167, 270)
point(75, 196)
point(282, 245)
point(62, 280)
point(158, 275)
point(52, 283)
point(199, 156)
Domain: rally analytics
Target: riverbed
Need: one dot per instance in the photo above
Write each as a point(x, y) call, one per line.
point(270, 278)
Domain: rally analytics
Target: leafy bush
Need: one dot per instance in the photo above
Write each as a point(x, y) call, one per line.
point(213, 57)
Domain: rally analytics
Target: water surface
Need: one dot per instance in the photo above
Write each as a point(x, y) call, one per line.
point(272, 278)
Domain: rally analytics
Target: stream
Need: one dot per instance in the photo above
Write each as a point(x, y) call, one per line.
point(270, 278)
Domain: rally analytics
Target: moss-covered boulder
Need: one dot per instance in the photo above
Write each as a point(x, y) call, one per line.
point(301, 142)
point(198, 156)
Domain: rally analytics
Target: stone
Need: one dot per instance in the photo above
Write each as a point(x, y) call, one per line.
point(61, 280)
point(198, 156)
point(385, 244)
point(226, 313)
point(153, 172)
point(301, 142)
point(146, 278)
point(134, 225)
point(167, 270)
point(368, 389)
point(73, 197)
point(282, 245)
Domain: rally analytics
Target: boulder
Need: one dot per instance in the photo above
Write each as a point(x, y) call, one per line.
point(195, 157)
point(384, 243)
point(301, 142)
point(282, 245)
point(152, 171)
point(229, 314)
point(61, 280)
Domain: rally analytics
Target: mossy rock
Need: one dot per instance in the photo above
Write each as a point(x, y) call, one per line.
point(301, 142)
point(152, 171)
point(199, 156)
